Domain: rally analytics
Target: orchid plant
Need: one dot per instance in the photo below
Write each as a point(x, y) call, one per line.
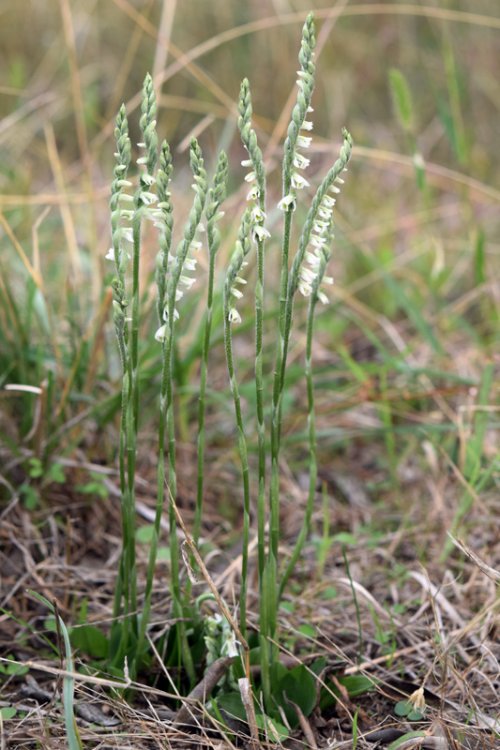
point(305, 273)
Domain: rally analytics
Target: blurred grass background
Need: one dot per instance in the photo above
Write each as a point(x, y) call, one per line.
point(407, 349)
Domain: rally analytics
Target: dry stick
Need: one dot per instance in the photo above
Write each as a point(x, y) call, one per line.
point(66, 216)
point(203, 689)
point(206, 575)
point(83, 144)
point(163, 37)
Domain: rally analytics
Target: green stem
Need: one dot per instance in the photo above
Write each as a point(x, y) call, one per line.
point(242, 448)
point(313, 466)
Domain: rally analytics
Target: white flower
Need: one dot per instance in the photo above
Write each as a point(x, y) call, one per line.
point(325, 213)
point(307, 125)
point(110, 254)
point(335, 189)
point(142, 159)
point(300, 162)
point(234, 316)
point(239, 280)
point(195, 245)
point(190, 264)
point(328, 202)
point(328, 279)
point(317, 241)
point(187, 281)
point(127, 234)
point(303, 141)
point(148, 198)
point(161, 333)
point(250, 177)
point(126, 198)
point(236, 293)
point(179, 294)
point(247, 163)
point(259, 233)
point(123, 183)
point(322, 297)
point(258, 215)
point(253, 194)
point(304, 288)
point(307, 275)
point(154, 214)
point(312, 259)
point(299, 182)
point(288, 203)
point(320, 226)
point(147, 179)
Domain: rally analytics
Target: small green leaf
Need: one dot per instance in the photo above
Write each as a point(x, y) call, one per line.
point(404, 739)
point(144, 534)
point(8, 712)
point(357, 684)
point(345, 538)
point(329, 593)
point(35, 468)
point(56, 474)
point(402, 708)
point(274, 729)
point(31, 496)
point(91, 640)
point(233, 705)
point(50, 624)
point(163, 554)
point(96, 486)
point(307, 630)
point(415, 715)
point(299, 686)
point(11, 668)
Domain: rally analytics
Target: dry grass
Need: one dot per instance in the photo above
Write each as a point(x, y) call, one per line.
point(399, 377)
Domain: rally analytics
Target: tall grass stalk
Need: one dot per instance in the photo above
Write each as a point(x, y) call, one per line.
point(231, 315)
point(293, 181)
point(213, 214)
point(167, 421)
point(164, 223)
point(127, 331)
point(118, 254)
point(316, 295)
point(257, 196)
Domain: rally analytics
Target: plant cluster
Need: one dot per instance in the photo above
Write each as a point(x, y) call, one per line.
point(304, 273)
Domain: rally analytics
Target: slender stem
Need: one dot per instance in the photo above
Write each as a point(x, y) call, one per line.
point(237, 261)
point(167, 404)
point(313, 466)
point(215, 197)
point(201, 404)
point(165, 240)
point(261, 427)
point(242, 448)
